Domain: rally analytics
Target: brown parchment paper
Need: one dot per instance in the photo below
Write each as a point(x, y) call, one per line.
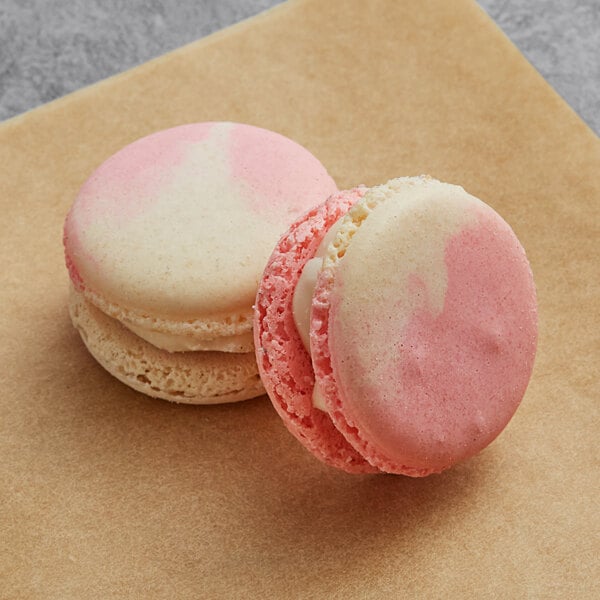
point(106, 493)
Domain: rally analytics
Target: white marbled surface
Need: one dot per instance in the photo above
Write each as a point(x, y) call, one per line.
point(49, 48)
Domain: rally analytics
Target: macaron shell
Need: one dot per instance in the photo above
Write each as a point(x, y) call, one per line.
point(283, 362)
point(179, 225)
point(424, 333)
point(183, 377)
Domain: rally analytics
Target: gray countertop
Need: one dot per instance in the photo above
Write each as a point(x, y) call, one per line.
point(49, 48)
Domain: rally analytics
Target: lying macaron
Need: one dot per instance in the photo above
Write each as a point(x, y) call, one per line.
point(396, 326)
point(165, 245)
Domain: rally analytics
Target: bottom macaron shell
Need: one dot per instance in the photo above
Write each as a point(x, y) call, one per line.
point(184, 377)
point(283, 362)
point(453, 379)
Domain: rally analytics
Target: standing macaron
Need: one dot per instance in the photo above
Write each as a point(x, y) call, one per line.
point(396, 327)
point(165, 244)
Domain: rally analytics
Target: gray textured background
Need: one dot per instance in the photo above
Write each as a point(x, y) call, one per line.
point(51, 47)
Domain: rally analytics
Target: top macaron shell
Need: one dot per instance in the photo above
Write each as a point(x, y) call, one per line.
point(180, 223)
point(424, 326)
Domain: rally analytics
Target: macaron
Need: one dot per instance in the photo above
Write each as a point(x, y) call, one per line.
point(165, 245)
point(396, 327)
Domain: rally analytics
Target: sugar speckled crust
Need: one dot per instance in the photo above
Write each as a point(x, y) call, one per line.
point(284, 364)
point(423, 326)
point(184, 377)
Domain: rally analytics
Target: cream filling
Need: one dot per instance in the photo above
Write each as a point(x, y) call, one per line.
point(188, 343)
point(302, 300)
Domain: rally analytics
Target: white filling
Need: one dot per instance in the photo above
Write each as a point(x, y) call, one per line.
point(186, 343)
point(302, 300)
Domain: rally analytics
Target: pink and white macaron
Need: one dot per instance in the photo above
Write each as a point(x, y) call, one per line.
point(165, 245)
point(396, 327)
